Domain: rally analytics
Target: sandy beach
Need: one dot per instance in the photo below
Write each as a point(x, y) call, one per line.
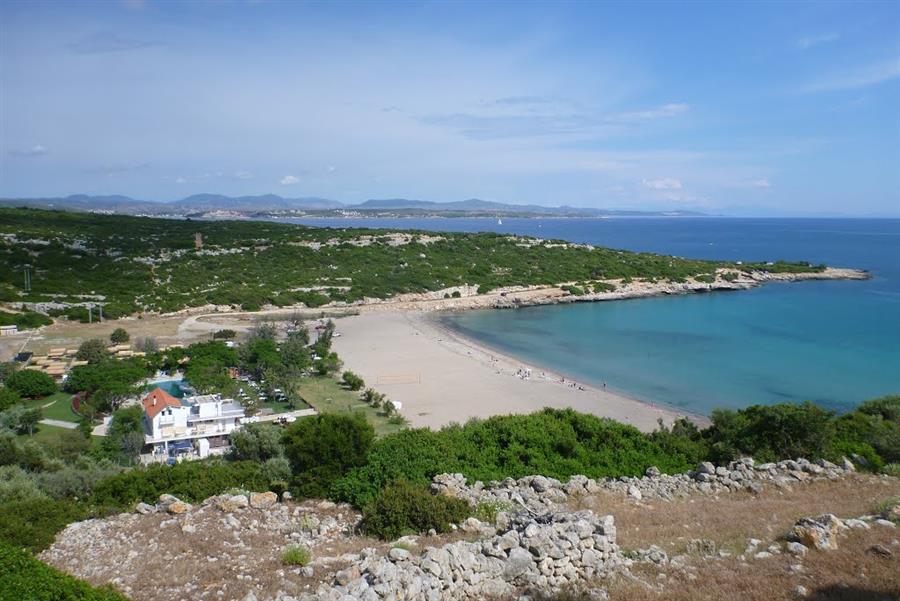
point(440, 377)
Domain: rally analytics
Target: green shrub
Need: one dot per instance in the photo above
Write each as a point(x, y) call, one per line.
point(119, 336)
point(553, 442)
point(404, 508)
point(884, 508)
point(296, 555)
point(191, 481)
point(487, 511)
point(24, 577)
point(8, 398)
point(92, 351)
point(352, 381)
point(770, 432)
point(323, 448)
point(891, 469)
point(31, 383)
point(32, 524)
point(870, 461)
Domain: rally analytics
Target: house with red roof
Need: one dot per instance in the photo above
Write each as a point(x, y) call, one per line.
point(194, 426)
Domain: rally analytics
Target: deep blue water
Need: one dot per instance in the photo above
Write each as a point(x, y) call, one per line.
point(837, 343)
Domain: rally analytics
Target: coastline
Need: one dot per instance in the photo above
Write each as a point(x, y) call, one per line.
point(441, 377)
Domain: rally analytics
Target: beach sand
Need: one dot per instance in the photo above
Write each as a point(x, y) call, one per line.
point(441, 377)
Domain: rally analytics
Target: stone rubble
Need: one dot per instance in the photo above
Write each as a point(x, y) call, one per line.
point(540, 494)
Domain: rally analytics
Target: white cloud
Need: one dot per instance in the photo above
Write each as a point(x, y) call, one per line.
point(807, 42)
point(243, 175)
point(667, 110)
point(289, 180)
point(857, 78)
point(665, 183)
point(180, 180)
point(35, 151)
point(761, 183)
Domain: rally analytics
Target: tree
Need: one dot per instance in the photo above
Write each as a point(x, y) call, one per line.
point(257, 442)
point(21, 419)
point(31, 383)
point(119, 336)
point(125, 435)
point(225, 334)
point(265, 330)
point(147, 344)
point(92, 351)
point(352, 381)
point(328, 364)
point(8, 398)
point(323, 448)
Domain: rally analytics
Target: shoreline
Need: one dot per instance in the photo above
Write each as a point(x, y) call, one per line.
point(440, 377)
point(553, 375)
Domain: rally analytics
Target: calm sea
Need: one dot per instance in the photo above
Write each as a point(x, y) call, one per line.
point(836, 343)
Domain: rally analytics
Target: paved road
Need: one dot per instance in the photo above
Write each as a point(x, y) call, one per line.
point(59, 423)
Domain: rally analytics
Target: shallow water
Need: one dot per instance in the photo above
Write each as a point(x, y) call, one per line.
point(837, 343)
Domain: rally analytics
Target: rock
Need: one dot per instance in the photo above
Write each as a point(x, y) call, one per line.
point(762, 555)
point(263, 500)
point(399, 554)
point(819, 533)
point(706, 467)
point(518, 562)
point(847, 465)
point(634, 492)
point(892, 513)
point(797, 549)
point(540, 484)
point(880, 550)
point(652, 472)
point(887, 523)
point(701, 546)
point(344, 577)
point(231, 503)
point(144, 508)
point(800, 591)
point(178, 507)
point(286, 496)
point(856, 524)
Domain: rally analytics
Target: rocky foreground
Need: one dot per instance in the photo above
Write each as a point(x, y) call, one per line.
point(539, 536)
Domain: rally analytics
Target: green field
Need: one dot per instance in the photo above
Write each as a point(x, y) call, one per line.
point(60, 407)
point(326, 395)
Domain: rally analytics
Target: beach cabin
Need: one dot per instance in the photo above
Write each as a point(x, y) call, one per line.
point(195, 426)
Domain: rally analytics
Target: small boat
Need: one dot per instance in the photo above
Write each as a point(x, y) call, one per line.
point(499, 221)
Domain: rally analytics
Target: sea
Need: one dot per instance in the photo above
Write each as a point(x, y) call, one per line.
point(833, 342)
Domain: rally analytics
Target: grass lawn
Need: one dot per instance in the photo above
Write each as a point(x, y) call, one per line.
point(60, 407)
point(327, 396)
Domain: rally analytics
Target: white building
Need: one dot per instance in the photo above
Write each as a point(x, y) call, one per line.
point(195, 426)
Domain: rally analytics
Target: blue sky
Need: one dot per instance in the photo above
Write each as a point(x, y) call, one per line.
point(738, 108)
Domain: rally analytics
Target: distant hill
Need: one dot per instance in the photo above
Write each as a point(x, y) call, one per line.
point(275, 204)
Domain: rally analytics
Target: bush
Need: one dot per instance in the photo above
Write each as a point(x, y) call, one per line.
point(323, 448)
point(191, 481)
point(8, 398)
point(296, 555)
point(92, 351)
point(31, 383)
point(257, 442)
point(770, 432)
point(119, 336)
point(32, 524)
point(404, 508)
point(224, 334)
point(24, 577)
point(352, 381)
point(555, 443)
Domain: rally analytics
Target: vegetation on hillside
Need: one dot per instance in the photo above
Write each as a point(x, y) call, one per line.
point(133, 264)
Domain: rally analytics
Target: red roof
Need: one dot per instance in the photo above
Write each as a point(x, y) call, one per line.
point(158, 400)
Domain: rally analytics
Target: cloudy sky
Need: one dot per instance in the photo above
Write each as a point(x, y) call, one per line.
point(739, 108)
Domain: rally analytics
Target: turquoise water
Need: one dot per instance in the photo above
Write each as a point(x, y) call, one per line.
point(836, 343)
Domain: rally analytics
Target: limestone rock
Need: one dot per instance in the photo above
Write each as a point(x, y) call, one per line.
point(263, 500)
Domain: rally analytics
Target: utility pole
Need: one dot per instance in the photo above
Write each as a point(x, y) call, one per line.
point(27, 279)
point(90, 313)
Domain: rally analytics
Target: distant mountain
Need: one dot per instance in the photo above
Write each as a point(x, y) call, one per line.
point(274, 204)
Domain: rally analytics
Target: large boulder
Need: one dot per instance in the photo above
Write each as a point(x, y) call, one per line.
point(263, 500)
point(818, 533)
point(229, 503)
